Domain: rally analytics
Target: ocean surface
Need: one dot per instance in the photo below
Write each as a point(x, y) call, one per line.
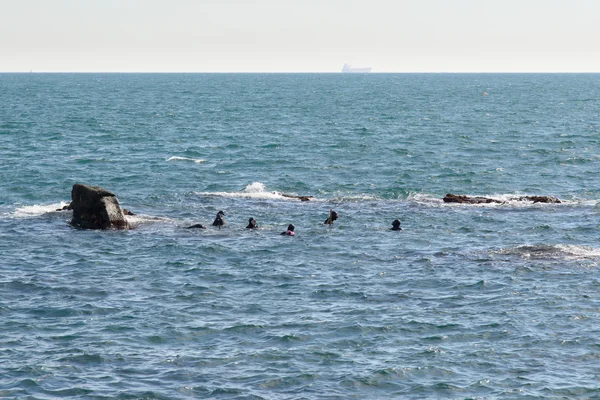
point(491, 301)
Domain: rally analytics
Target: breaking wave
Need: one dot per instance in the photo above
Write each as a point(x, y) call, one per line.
point(136, 220)
point(255, 190)
point(551, 252)
point(37, 210)
point(178, 158)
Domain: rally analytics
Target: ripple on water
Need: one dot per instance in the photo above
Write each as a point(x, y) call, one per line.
point(468, 301)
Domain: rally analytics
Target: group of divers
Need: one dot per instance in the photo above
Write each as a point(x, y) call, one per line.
point(219, 221)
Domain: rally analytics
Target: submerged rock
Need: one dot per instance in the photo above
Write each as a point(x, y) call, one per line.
point(96, 208)
point(461, 198)
point(540, 199)
point(301, 198)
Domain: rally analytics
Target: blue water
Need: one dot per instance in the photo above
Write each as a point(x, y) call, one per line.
point(468, 301)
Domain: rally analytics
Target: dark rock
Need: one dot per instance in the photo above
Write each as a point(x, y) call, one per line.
point(540, 199)
point(65, 208)
point(301, 198)
point(459, 198)
point(96, 208)
point(127, 212)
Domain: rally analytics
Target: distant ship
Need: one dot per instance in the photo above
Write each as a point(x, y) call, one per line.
point(350, 68)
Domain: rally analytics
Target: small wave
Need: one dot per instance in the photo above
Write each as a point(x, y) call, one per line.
point(177, 158)
point(137, 219)
point(87, 160)
point(37, 209)
point(354, 198)
point(423, 198)
point(255, 190)
point(258, 190)
point(551, 252)
point(255, 187)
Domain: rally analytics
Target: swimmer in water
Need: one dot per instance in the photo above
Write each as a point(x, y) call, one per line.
point(290, 230)
point(219, 220)
point(396, 225)
point(252, 224)
point(332, 217)
point(197, 226)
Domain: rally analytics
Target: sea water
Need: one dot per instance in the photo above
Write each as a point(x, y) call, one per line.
point(495, 300)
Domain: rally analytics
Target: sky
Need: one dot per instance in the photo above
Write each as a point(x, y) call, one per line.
point(299, 35)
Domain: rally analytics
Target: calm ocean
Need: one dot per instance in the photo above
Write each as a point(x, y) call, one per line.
point(494, 301)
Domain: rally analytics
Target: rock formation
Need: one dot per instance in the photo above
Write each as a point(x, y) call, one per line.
point(460, 198)
point(96, 208)
point(301, 198)
point(540, 199)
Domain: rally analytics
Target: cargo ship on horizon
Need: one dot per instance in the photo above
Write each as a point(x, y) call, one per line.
point(351, 69)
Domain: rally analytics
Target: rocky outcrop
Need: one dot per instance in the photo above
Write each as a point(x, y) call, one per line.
point(460, 198)
point(301, 198)
point(540, 199)
point(96, 208)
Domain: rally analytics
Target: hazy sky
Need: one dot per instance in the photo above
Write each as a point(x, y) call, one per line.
point(300, 35)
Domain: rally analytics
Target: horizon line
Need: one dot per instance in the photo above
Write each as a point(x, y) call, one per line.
point(298, 72)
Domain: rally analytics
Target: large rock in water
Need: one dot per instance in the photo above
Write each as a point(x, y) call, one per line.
point(461, 198)
point(96, 208)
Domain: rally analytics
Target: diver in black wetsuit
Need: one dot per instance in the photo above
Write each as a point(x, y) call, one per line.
point(332, 217)
point(219, 220)
point(396, 225)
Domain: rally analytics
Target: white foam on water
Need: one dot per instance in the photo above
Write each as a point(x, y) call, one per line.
point(552, 252)
point(577, 252)
point(178, 158)
point(504, 200)
point(255, 190)
point(136, 220)
point(424, 198)
point(37, 209)
point(355, 198)
point(255, 187)
point(512, 199)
